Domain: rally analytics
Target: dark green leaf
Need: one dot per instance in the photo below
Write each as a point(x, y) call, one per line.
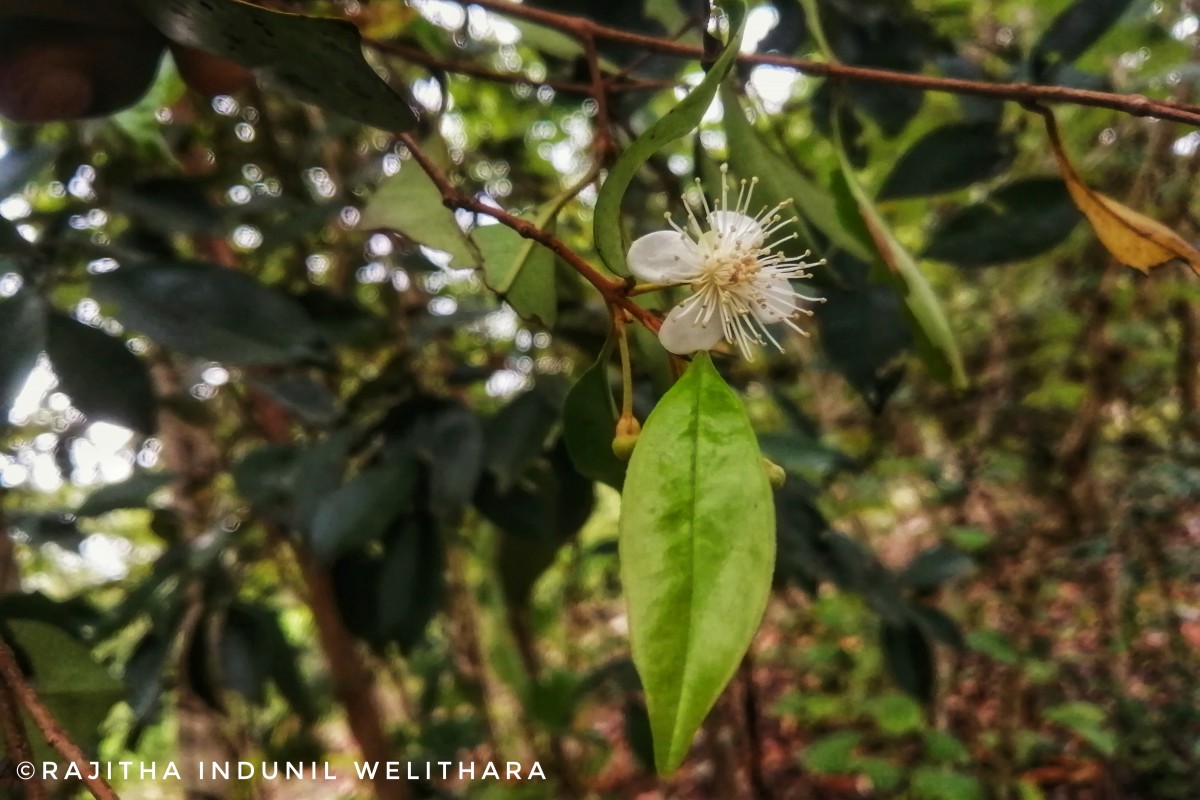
point(14, 248)
point(948, 158)
point(310, 399)
point(453, 445)
point(538, 517)
point(518, 434)
point(1017, 222)
point(548, 504)
point(320, 61)
point(361, 510)
point(131, 493)
point(637, 732)
point(143, 674)
point(354, 576)
point(340, 319)
point(909, 658)
point(75, 615)
point(102, 377)
point(589, 423)
point(21, 165)
point(864, 331)
point(319, 471)
point(211, 312)
point(284, 665)
point(265, 478)
point(411, 583)
point(933, 567)
point(935, 339)
point(800, 528)
point(22, 337)
point(169, 205)
point(937, 624)
point(1076, 29)
point(800, 454)
point(241, 656)
point(697, 548)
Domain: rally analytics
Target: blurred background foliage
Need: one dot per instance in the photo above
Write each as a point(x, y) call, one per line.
point(303, 485)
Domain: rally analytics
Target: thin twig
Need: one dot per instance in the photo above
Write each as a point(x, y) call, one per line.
point(614, 291)
point(604, 145)
point(53, 732)
point(1136, 105)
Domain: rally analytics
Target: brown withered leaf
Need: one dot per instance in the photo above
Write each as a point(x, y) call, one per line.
point(1132, 238)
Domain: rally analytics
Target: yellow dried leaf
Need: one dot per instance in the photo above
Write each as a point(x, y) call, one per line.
point(1132, 238)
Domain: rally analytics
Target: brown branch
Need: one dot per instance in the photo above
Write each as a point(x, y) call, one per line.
point(1135, 105)
point(615, 292)
point(462, 67)
point(1187, 357)
point(17, 743)
point(52, 731)
point(353, 682)
point(751, 713)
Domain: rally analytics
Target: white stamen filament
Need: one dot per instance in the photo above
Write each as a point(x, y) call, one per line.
point(736, 267)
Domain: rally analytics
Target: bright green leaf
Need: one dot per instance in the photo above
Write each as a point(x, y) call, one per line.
point(779, 181)
point(896, 714)
point(832, 754)
point(943, 746)
point(1088, 721)
point(679, 121)
point(931, 783)
point(995, 644)
point(76, 689)
point(697, 550)
point(520, 270)
point(410, 202)
point(884, 775)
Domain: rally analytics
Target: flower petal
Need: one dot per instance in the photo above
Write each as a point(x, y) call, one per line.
point(682, 332)
point(772, 298)
point(664, 257)
point(734, 227)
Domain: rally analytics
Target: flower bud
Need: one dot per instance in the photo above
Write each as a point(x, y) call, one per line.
point(775, 473)
point(628, 430)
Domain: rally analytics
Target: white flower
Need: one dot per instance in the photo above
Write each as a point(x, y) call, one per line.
point(740, 282)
